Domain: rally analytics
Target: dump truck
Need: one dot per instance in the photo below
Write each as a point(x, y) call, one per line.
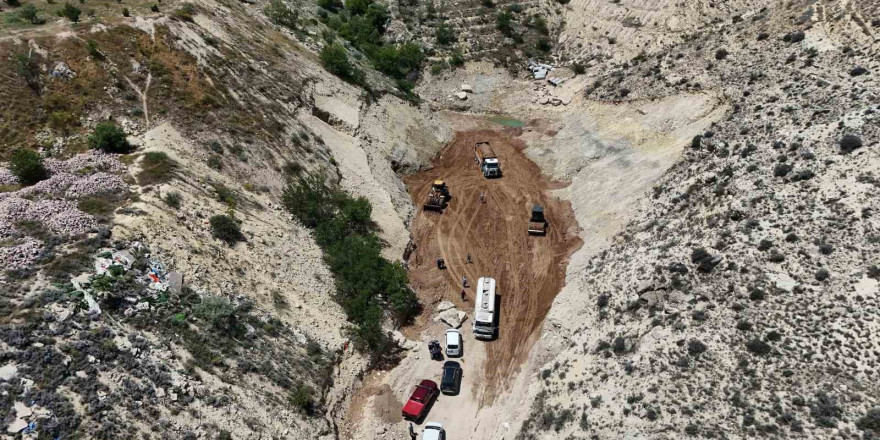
point(438, 196)
point(485, 318)
point(537, 222)
point(487, 160)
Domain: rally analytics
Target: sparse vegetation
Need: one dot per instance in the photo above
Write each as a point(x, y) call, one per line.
point(156, 167)
point(173, 199)
point(280, 14)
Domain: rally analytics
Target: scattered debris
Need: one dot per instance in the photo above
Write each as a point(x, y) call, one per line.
point(8, 372)
point(539, 71)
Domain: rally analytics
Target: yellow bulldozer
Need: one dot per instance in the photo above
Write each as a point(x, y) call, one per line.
point(438, 196)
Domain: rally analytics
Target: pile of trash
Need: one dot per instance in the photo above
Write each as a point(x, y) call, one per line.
point(539, 71)
point(26, 417)
point(154, 277)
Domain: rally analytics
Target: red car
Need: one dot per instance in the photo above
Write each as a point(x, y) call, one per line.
point(417, 405)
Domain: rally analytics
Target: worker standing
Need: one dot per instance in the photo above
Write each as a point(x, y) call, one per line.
point(441, 264)
point(464, 282)
point(463, 295)
point(482, 197)
point(468, 260)
point(412, 431)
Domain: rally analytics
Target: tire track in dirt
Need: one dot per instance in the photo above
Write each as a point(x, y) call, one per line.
point(530, 270)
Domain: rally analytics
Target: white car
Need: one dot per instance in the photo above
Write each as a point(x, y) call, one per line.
point(453, 343)
point(433, 431)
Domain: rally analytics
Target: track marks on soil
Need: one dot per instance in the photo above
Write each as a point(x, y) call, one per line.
point(530, 270)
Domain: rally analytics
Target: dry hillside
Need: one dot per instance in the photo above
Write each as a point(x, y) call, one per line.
point(211, 226)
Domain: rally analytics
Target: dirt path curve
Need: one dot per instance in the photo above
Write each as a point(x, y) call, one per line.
point(530, 271)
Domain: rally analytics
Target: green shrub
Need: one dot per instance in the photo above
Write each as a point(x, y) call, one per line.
point(218, 312)
point(330, 5)
point(301, 398)
point(543, 45)
point(185, 12)
point(397, 61)
point(70, 12)
point(504, 23)
point(445, 35)
point(125, 12)
point(173, 199)
point(28, 69)
point(109, 138)
point(457, 59)
point(226, 195)
point(92, 49)
point(870, 421)
point(225, 228)
point(13, 3)
point(154, 8)
point(27, 166)
point(29, 14)
point(335, 60)
point(215, 163)
point(156, 167)
point(280, 14)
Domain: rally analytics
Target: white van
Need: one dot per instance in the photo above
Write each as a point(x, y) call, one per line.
point(485, 319)
point(453, 343)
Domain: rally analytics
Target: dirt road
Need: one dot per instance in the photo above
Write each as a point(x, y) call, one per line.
point(530, 271)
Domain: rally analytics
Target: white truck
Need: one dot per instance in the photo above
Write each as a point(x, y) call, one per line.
point(485, 316)
point(487, 160)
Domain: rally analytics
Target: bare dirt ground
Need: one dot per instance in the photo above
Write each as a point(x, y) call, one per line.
point(530, 271)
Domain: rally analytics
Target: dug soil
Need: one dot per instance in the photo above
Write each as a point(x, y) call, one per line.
point(529, 270)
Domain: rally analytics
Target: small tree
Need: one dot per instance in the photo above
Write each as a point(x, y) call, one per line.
point(225, 228)
point(27, 68)
point(71, 12)
point(27, 165)
point(29, 14)
point(109, 138)
point(281, 14)
point(335, 59)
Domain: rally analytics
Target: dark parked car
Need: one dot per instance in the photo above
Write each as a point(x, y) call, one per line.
point(451, 382)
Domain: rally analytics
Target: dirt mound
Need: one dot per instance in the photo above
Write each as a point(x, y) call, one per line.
point(530, 271)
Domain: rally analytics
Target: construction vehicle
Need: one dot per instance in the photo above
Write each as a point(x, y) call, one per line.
point(487, 160)
point(485, 318)
point(537, 222)
point(438, 196)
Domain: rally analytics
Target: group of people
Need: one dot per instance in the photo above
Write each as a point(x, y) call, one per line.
point(441, 263)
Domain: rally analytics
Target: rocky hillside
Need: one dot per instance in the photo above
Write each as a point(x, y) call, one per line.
point(739, 301)
point(159, 290)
